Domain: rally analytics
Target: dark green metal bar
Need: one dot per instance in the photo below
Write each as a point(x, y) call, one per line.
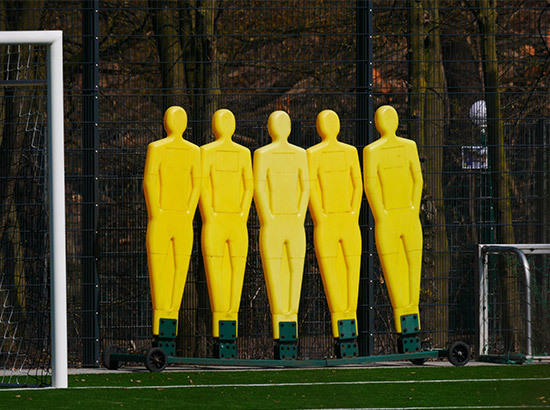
point(365, 135)
point(303, 363)
point(22, 83)
point(247, 362)
point(90, 168)
point(128, 357)
point(431, 354)
point(542, 181)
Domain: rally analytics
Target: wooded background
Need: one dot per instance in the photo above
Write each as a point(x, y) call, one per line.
point(126, 61)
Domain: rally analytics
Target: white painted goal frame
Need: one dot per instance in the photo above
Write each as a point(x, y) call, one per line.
point(520, 250)
point(53, 41)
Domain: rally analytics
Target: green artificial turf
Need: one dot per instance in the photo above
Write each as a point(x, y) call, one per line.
point(410, 387)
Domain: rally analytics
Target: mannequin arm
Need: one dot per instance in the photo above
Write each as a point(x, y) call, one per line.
point(418, 182)
point(196, 181)
point(207, 210)
point(315, 201)
point(303, 174)
point(248, 181)
point(151, 183)
point(357, 184)
point(372, 184)
point(260, 190)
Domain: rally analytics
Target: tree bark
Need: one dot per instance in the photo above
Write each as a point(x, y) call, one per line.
point(487, 21)
point(495, 129)
point(186, 43)
point(171, 58)
point(202, 69)
point(427, 112)
point(13, 139)
point(417, 81)
point(434, 136)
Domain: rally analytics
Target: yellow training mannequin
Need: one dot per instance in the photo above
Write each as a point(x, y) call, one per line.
point(226, 196)
point(393, 184)
point(281, 193)
point(334, 204)
point(172, 186)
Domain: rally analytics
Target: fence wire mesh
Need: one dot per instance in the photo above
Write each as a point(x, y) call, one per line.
point(485, 169)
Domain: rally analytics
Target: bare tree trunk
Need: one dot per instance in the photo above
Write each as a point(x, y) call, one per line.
point(198, 38)
point(417, 81)
point(186, 42)
point(427, 113)
point(2, 89)
point(166, 25)
point(487, 20)
point(203, 74)
point(205, 101)
point(434, 136)
point(13, 139)
point(171, 58)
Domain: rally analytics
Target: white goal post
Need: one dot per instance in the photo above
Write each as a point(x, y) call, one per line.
point(525, 276)
point(53, 41)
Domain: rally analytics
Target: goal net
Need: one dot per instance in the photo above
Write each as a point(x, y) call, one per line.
point(33, 335)
point(514, 303)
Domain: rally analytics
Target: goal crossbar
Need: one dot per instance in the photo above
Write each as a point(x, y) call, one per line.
point(53, 41)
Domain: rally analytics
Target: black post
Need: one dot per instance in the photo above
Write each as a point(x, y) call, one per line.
point(365, 135)
point(542, 182)
point(90, 91)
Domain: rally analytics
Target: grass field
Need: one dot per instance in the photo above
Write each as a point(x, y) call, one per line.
point(513, 386)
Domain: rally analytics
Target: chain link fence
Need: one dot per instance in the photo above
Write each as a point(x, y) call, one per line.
point(469, 81)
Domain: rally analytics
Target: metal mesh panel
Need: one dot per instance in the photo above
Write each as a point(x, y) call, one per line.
point(253, 57)
point(292, 56)
point(264, 67)
point(466, 204)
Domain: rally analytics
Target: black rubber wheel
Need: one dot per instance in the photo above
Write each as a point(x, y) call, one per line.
point(156, 360)
point(419, 362)
point(107, 361)
point(459, 353)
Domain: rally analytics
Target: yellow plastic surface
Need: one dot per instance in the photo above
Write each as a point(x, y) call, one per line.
point(281, 194)
point(226, 195)
point(393, 184)
point(334, 204)
point(172, 187)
